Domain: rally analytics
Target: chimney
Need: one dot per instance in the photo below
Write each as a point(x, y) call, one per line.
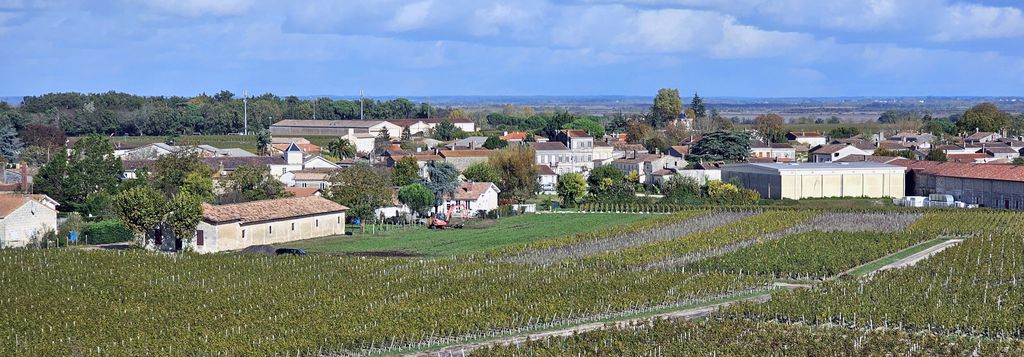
point(24, 178)
point(975, 130)
point(418, 149)
point(504, 133)
point(351, 131)
point(472, 145)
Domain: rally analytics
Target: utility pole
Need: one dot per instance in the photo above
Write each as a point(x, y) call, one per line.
point(245, 112)
point(360, 104)
point(316, 101)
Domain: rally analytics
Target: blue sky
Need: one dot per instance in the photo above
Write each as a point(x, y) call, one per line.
point(766, 48)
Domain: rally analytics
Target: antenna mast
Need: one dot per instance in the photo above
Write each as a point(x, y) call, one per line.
point(245, 112)
point(360, 104)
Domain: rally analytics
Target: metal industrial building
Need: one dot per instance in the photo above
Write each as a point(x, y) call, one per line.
point(818, 180)
point(987, 185)
point(335, 128)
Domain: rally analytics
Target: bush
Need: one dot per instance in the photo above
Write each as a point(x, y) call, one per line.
point(108, 231)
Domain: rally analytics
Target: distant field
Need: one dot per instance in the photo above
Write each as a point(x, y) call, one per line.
point(478, 236)
point(219, 141)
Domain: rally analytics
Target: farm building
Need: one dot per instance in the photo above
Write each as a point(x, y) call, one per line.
point(833, 152)
point(335, 128)
point(236, 226)
point(987, 185)
point(818, 180)
point(473, 198)
point(24, 217)
point(464, 158)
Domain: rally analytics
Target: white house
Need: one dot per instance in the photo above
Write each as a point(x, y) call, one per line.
point(472, 198)
point(833, 152)
point(774, 151)
point(236, 226)
point(24, 217)
point(417, 126)
point(547, 180)
point(811, 138)
point(335, 128)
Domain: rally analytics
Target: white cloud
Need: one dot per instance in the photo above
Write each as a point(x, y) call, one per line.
point(411, 17)
point(201, 7)
point(969, 22)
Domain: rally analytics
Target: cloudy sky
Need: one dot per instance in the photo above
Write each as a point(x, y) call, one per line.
point(764, 48)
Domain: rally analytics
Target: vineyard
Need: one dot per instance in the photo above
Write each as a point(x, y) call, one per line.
point(963, 300)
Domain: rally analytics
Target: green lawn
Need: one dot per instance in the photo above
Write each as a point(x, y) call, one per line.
point(478, 236)
point(219, 141)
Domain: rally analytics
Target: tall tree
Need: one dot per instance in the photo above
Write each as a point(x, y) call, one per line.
point(362, 188)
point(983, 117)
point(10, 144)
point(417, 197)
point(667, 107)
point(571, 188)
point(252, 183)
point(493, 142)
point(342, 148)
point(593, 128)
point(444, 131)
point(697, 104)
point(170, 171)
point(721, 146)
point(444, 179)
point(602, 178)
point(141, 209)
point(52, 177)
point(183, 212)
point(772, 126)
point(92, 168)
point(515, 165)
point(406, 171)
point(263, 142)
point(481, 172)
point(199, 185)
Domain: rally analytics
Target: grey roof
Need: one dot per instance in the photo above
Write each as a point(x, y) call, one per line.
point(329, 123)
point(548, 146)
point(811, 166)
point(477, 141)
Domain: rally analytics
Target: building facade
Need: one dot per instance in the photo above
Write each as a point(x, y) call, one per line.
point(987, 185)
point(236, 226)
point(819, 180)
point(24, 218)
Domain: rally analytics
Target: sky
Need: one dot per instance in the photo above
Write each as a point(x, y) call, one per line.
point(719, 48)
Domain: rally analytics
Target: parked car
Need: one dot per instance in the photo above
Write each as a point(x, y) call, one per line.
point(289, 251)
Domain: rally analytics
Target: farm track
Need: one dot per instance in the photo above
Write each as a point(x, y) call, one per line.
point(554, 255)
point(841, 222)
point(688, 313)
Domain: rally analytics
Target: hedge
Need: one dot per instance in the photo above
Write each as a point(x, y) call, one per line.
point(108, 231)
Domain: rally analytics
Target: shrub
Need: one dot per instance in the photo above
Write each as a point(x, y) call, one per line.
point(108, 231)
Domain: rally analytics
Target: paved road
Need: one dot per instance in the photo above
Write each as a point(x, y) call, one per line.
point(919, 256)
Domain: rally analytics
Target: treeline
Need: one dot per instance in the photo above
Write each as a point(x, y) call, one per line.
point(222, 113)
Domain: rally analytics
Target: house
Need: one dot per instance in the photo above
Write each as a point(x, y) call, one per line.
point(921, 140)
point(424, 126)
point(25, 217)
point(978, 157)
point(304, 191)
point(17, 180)
point(833, 152)
point(513, 137)
point(812, 138)
point(156, 150)
point(464, 158)
point(1001, 152)
point(279, 148)
point(818, 180)
point(572, 151)
point(547, 180)
point(646, 165)
point(306, 178)
point(236, 226)
point(774, 151)
point(333, 128)
point(472, 142)
point(473, 198)
point(987, 185)
point(981, 137)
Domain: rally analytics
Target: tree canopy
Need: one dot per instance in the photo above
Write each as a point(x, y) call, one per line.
point(772, 126)
point(362, 188)
point(667, 107)
point(983, 117)
point(721, 146)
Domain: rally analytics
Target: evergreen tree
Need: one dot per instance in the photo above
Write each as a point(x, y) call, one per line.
point(10, 144)
point(697, 104)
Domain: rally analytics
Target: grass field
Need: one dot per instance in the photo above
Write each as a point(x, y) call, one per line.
point(478, 236)
point(219, 141)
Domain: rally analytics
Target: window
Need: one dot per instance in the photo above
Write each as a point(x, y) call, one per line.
point(339, 219)
point(199, 237)
point(293, 226)
point(270, 229)
point(243, 234)
point(316, 223)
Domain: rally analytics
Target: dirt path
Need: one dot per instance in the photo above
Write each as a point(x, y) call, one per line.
point(685, 314)
point(919, 256)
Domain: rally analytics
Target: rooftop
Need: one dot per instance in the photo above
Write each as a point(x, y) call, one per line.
point(329, 123)
point(268, 210)
point(465, 153)
point(814, 166)
point(998, 172)
point(469, 191)
point(548, 146)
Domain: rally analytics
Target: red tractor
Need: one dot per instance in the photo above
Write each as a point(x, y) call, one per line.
point(442, 221)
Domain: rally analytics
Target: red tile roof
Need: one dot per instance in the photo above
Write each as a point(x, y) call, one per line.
point(470, 191)
point(515, 135)
point(966, 157)
point(998, 172)
point(302, 191)
point(576, 133)
point(466, 153)
point(545, 170)
point(268, 210)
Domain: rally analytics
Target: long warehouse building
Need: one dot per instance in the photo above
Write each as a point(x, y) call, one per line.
point(819, 180)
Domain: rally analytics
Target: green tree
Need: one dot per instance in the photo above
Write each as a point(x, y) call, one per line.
point(443, 180)
point(1018, 160)
point(554, 124)
point(515, 166)
point(252, 183)
point(10, 144)
point(52, 176)
point(940, 126)
point(667, 107)
point(603, 178)
point(444, 131)
point(342, 148)
point(697, 104)
point(936, 154)
point(170, 171)
point(571, 188)
point(721, 146)
point(141, 209)
point(381, 143)
point(92, 168)
point(593, 128)
point(481, 172)
point(263, 142)
point(406, 171)
point(362, 188)
point(199, 185)
point(843, 132)
point(183, 213)
point(493, 142)
point(772, 126)
point(417, 197)
point(983, 117)
point(682, 190)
